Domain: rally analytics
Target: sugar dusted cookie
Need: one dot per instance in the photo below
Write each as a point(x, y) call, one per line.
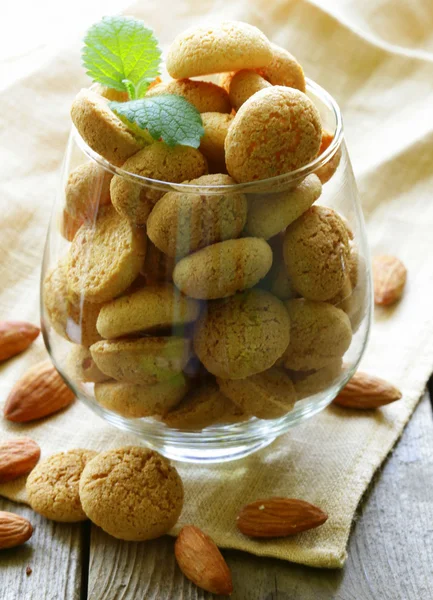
point(146, 361)
point(87, 188)
point(204, 95)
point(228, 46)
point(266, 395)
point(80, 366)
point(182, 222)
point(132, 493)
point(156, 161)
point(274, 132)
point(101, 129)
point(105, 257)
point(135, 401)
point(268, 214)
point(283, 69)
point(149, 308)
point(316, 252)
point(242, 335)
point(216, 126)
point(52, 486)
point(202, 408)
point(243, 85)
point(222, 269)
point(320, 333)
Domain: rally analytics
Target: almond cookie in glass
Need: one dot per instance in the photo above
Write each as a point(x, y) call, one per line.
point(206, 280)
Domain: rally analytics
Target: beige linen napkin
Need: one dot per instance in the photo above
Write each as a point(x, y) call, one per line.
point(386, 95)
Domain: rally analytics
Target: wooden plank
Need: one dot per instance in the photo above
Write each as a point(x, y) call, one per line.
point(390, 550)
point(53, 554)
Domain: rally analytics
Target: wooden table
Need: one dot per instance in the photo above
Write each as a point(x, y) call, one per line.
point(390, 550)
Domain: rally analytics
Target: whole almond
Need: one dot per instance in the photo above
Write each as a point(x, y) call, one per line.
point(200, 560)
point(16, 336)
point(39, 393)
point(17, 457)
point(279, 517)
point(389, 279)
point(365, 391)
point(14, 530)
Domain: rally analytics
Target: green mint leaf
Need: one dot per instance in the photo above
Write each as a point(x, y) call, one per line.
point(119, 50)
point(168, 117)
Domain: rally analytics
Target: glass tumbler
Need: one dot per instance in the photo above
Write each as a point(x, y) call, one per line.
point(198, 331)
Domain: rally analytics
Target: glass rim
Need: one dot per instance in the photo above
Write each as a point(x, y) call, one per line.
point(249, 187)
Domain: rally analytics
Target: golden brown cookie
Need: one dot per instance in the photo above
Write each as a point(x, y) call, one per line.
point(132, 493)
point(312, 382)
point(266, 395)
point(110, 93)
point(242, 335)
point(326, 171)
point(275, 131)
point(158, 267)
point(135, 401)
point(87, 188)
point(222, 269)
point(227, 46)
point(147, 309)
point(203, 407)
point(156, 161)
point(70, 318)
point(80, 366)
point(316, 253)
point(204, 95)
point(268, 214)
point(68, 226)
point(243, 85)
point(216, 126)
point(183, 222)
point(52, 486)
point(144, 361)
point(283, 69)
point(320, 333)
point(105, 257)
point(101, 129)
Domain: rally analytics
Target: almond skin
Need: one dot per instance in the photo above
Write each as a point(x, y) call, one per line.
point(200, 560)
point(389, 279)
point(17, 457)
point(16, 336)
point(365, 392)
point(39, 393)
point(14, 530)
point(279, 517)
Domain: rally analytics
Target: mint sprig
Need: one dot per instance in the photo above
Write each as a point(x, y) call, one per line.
point(123, 54)
point(169, 118)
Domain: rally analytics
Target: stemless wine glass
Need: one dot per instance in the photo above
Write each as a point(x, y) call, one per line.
point(69, 322)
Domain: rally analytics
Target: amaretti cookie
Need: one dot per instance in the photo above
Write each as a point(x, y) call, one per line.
point(53, 486)
point(136, 401)
point(158, 266)
point(156, 161)
point(202, 408)
point(268, 214)
point(316, 252)
point(80, 366)
point(326, 171)
point(243, 85)
point(68, 225)
point(216, 126)
point(308, 383)
point(101, 129)
point(149, 308)
point(275, 131)
point(146, 361)
point(283, 69)
point(222, 269)
point(266, 395)
point(110, 93)
point(132, 493)
point(204, 95)
point(105, 257)
point(87, 188)
point(320, 333)
point(182, 222)
point(242, 335)
point(228, 46)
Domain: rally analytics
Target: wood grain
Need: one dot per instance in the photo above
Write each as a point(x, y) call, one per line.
point(390, 550)
point(53, 554)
